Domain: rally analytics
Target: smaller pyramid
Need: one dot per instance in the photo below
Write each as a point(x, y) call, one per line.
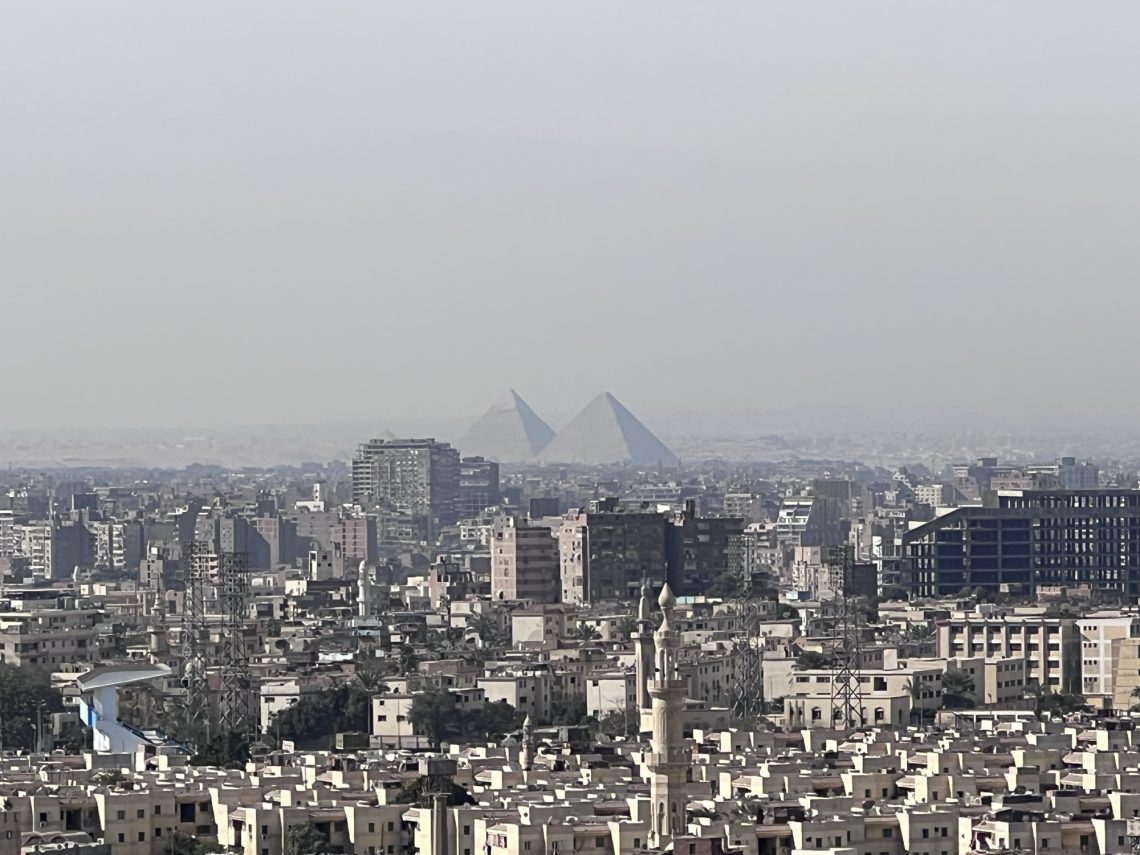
point(509, 432)
point(605, 433)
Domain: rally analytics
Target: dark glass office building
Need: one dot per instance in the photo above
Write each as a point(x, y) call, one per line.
point(1020, 540)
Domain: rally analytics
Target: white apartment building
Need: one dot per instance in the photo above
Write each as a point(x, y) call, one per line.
point(1052, 646)
point(1102, 634)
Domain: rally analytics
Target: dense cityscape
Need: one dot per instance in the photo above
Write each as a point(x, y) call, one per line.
point(541, 641)
point(574, 428)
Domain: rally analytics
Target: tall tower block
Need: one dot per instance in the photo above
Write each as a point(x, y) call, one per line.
point(667, 761)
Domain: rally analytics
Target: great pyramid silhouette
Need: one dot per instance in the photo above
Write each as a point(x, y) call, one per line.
point(510, 431)
point(605, 432)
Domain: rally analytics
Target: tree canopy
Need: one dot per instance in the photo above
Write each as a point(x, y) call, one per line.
point(315, 719)
point(305, 840)
point(957, 689)
point(436, 715)
point(229, 749)
point(23, 692)
point(809, 660)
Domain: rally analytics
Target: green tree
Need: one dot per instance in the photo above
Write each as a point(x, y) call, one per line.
point(584, 632)
point(372, 674)
point(26, 695)
point(184, 844)
point(406, 661)
point(1052, 703)
point(315, 719)
point(914, 689)
point(1135, 694)
point(486, 629)
point(893, 593)
point(305, 840)
point(919, 633)
point(618, 723)
point(786, 611)
point(434, 714)
point(726, 586)
point(493, 721)
point(957, 689)
point(627, 626)
point(229, 749)
point(809, 660)
point(564, 711)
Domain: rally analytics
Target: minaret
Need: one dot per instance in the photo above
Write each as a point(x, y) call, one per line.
point(526, 760)
point(643, 647)
point(667, 762)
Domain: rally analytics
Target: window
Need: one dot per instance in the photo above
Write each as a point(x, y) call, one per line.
point(140, 813)
point(142, 836)
point(371, 828)
point(467, 829)
point(158, 832)
point(120, 814)
point(265, 831)
point(391, 827)
point(158, 810)
point(888, 833)
point(122, 838)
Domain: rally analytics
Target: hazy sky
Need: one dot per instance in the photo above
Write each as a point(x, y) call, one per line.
point(225, 213)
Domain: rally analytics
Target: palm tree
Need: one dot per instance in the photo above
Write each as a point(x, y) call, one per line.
point(485, 628)
point(627, 626)
point(918, 632)
point(809, 660)
point(957, 688)
point(407, 662)
point(584, 632)
point(915, 691)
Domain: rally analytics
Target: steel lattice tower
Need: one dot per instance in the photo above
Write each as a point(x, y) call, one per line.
point(846, 688)
point(748, 653)
point(216, 602)
point(197, 567)
point(234, 675)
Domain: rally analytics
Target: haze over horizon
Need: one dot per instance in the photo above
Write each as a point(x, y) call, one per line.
point(724, 214)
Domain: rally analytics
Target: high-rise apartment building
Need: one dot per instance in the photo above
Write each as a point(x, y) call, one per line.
point(524, 562)
point(235, 535)
point(357, 539)
point(7, 534)
point(1023, 539)
point(605, 552)
point(478, 487)
point(697, 548)
point(415, 477)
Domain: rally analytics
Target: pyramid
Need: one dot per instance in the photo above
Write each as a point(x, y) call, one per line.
point(510, 431)
point(606, 432)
